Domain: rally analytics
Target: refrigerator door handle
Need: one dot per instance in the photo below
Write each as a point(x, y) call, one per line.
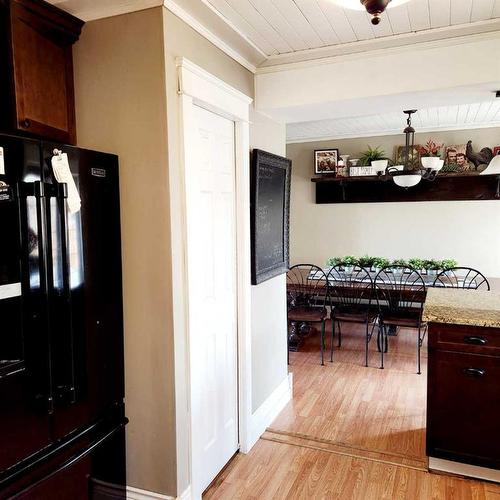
point(66, 391)
point(37, 190)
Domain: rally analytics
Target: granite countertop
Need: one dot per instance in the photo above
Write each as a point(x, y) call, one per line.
point(462, 307)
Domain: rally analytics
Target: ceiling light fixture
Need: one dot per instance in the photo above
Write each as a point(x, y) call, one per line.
point(374, 7)
point(407, 175)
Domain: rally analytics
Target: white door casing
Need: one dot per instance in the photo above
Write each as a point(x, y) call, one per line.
point(198, 88)
point(211, 223)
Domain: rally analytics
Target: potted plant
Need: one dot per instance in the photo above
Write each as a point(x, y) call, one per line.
point(376, 158)
point(431, 266)
point(334, 261)
point(397, 264)
point(416, 263)
point(379, 263)
point(448, 264)
point(349, 261)
point(430, 155)
point(366, 261)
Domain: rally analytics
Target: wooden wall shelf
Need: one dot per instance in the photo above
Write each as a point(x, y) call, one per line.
point(373, 189)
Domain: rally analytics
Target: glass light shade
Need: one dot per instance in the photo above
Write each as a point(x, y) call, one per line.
point(407, 181)
point(493, 168)
point(357, 5)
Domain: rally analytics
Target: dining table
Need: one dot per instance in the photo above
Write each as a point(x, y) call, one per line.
point(413, 291)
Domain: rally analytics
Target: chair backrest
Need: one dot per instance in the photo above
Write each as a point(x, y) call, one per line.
point(306, 286)
point(350, 287)
point(400, 290)
point(462, 277)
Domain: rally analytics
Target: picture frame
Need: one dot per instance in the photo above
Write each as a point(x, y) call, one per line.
point(326, 161)
point(270, 215)
point(455, 159)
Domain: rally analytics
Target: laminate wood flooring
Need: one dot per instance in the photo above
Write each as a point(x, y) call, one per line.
point(350, 432)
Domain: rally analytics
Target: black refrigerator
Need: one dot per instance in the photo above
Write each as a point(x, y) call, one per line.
point(62, 414)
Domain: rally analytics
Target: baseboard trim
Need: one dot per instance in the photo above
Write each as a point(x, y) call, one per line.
point(459, 469)
point(139, 494)
point(269, 410)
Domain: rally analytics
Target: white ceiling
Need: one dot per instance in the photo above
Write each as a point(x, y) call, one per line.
point(284, 26)
point(461, 116)
point(261, 33)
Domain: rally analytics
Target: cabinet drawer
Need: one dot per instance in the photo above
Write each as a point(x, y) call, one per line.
point(473, 339)
point(464, 408)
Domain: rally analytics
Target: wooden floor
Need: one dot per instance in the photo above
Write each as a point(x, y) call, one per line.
point(350, 432)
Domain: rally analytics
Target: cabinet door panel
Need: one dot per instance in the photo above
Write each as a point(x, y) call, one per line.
point(464, 407)
point(41, 39)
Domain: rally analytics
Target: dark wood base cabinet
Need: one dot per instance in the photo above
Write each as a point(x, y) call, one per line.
point(463, 407)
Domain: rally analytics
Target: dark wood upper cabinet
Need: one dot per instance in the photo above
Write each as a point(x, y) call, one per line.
point(37, 90)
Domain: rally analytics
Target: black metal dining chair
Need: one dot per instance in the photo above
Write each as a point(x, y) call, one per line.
point(351, 294)
point(400, 294)
point(307, 292)
point(462, 277)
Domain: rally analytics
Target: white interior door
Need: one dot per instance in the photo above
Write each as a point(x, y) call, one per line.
point(211, 230)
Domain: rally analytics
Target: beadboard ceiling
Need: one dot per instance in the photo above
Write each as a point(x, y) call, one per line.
point(263, 33)
point(284, 26)
point(452, 117)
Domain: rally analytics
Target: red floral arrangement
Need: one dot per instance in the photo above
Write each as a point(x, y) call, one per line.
point(431, 148)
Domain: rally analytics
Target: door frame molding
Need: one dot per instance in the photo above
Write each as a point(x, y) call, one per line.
point(199, 87)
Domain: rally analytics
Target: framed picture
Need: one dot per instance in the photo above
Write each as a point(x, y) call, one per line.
point(326, 161)
point(399, 157)
point(455, 159)
point(270, 213)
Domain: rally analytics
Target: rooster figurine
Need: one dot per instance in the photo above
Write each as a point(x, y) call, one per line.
point(482, 158)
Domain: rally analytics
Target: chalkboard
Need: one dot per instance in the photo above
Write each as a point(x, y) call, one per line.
point(270, 209)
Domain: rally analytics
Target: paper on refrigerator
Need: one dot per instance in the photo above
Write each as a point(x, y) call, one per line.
point(62, 173)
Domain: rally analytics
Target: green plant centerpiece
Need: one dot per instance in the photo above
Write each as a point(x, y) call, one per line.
point(432, 266)
point(366, 261)
point(448, 264)
point(373, 154)
point(348, 263)
point(399, 263)
point(334, 261)
point(416, 263)
point(379, 263)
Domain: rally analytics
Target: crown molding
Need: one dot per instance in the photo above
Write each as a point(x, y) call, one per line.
point(209, 35)
point(433, 38)
point(101, 10)
point(424, 130)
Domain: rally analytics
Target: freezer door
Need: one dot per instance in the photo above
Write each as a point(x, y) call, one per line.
point(25, 392)
point(86, 291)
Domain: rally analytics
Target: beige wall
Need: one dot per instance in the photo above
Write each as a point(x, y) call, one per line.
point(269, 346)
point(120, 105)
point(467, 231)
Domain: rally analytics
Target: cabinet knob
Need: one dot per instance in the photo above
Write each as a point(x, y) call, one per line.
point(26, 123)
point(475, 372)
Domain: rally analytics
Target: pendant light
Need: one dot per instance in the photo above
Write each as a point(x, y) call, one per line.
point(407, 175)
point(374, 7)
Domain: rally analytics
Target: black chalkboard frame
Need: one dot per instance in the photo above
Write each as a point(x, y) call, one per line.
point(262, 159)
